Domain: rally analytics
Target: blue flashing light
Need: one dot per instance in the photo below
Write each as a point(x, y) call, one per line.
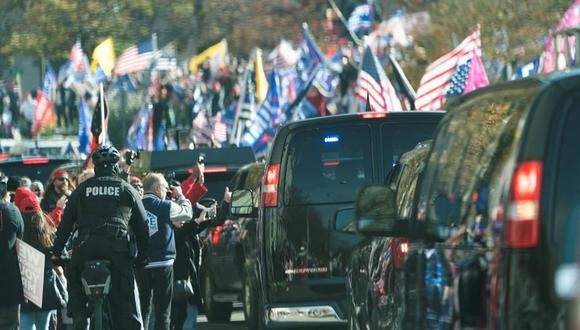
point(331, 139)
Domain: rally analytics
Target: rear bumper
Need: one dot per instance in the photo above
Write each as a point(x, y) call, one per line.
point(304, 315)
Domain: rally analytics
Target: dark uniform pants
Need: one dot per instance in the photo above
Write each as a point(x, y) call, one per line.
point(123, 298)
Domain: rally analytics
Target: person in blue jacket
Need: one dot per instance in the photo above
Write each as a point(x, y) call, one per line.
point(156, 279)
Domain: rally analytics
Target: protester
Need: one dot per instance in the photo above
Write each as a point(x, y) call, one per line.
point(104, 209)
point(156, 280)
point(188, 248)
point(27, 112)
point(11, 293)
point(38, 188)
point(39, 233)
point(58, 188)
point(25, 182)
point(53, 217)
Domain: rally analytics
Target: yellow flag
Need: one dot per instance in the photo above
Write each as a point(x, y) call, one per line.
point(215, 53)
point(261, 81)
point(104, 55)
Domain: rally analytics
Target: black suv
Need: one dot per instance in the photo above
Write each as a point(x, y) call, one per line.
point(496, 212)
point(313, 174)
point(230, 256)
point(374, 274)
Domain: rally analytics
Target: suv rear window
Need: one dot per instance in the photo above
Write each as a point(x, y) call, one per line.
point(328, 165)
point(400, 138)
point(567, 197)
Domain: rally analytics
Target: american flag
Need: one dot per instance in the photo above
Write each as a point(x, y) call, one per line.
point(437, 79)
point(360, 19)
point(459, 79)
point(201, 129)
point(136, 58)
point(165, 58)
point(220, 129)
point(77, 57)
point(373, 84)
point(50, 82)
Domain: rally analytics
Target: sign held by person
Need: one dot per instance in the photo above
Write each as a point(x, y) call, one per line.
point(31, 263)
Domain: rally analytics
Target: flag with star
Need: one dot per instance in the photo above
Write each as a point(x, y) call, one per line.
point(456, 73)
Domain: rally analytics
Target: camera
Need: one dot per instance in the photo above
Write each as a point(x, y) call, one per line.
point(131, 155)
point(201, 159)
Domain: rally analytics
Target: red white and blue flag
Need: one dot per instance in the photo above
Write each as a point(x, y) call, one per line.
point(374, 85)
point(452, 74)
point(136, 58)
point(77, 58)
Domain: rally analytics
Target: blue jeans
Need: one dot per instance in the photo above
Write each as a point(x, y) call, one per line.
point(36, 320)
point(191, 320)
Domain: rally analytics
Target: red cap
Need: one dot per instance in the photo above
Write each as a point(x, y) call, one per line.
point(59, 174)
point(26, 201)
point(19, 195)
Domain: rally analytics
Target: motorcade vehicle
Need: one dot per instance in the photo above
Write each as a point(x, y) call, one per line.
point(495, 217)
point(375, 283)
point(313, 173)
point(230, 254)
point(34, 167)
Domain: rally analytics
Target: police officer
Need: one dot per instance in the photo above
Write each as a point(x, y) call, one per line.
point(102, 210)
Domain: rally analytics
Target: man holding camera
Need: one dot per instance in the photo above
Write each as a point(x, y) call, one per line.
point(156, 280)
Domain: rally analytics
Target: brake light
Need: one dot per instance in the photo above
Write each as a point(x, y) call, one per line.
point(270, 189)
point(372, 115)
point(35, 161)
point(215, 235)
point(4, 156)
point(331, 163)
point(523, 214)
point(217, 169)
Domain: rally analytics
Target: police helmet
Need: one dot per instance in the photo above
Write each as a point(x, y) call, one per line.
point(105, 156)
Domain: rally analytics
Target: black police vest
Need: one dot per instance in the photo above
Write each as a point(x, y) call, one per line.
point(104, 201)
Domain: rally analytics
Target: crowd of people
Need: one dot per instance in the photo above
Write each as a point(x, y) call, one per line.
point(147, 228)
point(17, 110)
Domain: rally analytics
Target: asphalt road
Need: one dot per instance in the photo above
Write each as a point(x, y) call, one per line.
point(236, 322)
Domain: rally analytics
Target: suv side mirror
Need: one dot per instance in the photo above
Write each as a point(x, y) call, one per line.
point(376, 213)
point(344, 221)
point(242, 203)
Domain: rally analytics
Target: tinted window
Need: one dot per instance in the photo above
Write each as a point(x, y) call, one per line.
point(34, 172)
point(568, 188)
point(400, 138)
point(327, 165)
point(475, 135)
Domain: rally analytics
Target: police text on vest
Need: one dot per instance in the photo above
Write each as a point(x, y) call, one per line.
point(103, 191)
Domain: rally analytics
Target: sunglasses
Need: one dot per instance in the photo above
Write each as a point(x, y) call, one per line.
point(62, 179)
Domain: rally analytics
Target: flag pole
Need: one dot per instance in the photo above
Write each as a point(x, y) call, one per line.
point(354, 37)
point(102, 101)
point(404, 79)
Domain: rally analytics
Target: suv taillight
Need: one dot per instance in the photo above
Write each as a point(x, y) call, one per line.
point(270, 188)
point(523, 215)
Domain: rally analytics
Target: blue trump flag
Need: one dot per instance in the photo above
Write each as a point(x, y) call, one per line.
point(85, 119)
point(269, 115)
point(50, 80)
